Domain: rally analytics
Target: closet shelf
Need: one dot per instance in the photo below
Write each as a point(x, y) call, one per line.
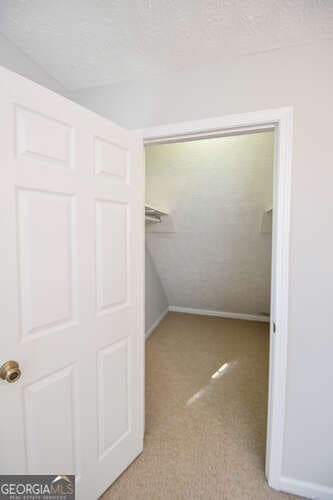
point(151, 218)
point(153, 214)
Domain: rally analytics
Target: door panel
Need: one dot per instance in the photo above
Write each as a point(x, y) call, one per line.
point(45, 246)
point(113, 405)
point(45, 436)
point(111, 254)
point(111, 160)
point(43, 138)
point(72, 223)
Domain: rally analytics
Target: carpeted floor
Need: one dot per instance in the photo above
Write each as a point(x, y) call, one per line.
point(206, 402)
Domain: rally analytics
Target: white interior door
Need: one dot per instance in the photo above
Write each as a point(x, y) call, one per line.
point(71, 257)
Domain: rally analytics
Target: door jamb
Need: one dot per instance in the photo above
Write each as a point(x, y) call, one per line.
point(281, 121)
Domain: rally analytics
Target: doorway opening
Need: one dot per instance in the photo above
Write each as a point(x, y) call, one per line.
point(276, 124)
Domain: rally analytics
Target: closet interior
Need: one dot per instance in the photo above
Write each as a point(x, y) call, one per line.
point(209, 207)
point(208, 226)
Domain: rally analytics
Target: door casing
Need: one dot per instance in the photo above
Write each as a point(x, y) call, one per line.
point(281, 122)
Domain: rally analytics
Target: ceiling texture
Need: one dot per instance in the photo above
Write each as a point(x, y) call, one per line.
point(88, 43)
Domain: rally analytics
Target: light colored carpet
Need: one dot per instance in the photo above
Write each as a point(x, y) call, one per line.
point(206, 403)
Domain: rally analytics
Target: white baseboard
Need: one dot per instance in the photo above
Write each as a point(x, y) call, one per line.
point(206, 312)
point(305, 489)
point(156, 323)
point(220, 314)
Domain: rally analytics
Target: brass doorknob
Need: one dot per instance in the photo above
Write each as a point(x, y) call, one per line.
point(10, 371)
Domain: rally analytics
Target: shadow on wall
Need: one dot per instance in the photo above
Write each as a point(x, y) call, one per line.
point(155, 297)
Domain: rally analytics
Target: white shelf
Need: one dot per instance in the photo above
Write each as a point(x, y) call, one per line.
point(153, 214)
point(150, 218)
point(158, 211)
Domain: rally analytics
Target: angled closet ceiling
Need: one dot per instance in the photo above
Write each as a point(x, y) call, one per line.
point(209, 240)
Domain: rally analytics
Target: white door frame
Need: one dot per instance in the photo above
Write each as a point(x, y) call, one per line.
point(280, 120)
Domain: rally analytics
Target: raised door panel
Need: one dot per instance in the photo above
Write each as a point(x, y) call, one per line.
point(43, 138)
point(111, 160)
point(113, 396)
point(51, 424)
point(111, 255)
point(46, 257)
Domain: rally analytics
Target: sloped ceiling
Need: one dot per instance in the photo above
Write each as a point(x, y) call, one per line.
point(86, 43)
point(217, 191)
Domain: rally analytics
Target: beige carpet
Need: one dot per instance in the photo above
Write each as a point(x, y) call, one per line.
point(205, 413)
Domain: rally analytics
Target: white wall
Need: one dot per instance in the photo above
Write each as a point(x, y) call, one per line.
point(217, 191)
point(155, 298)
point(301, 76)
point(14, 59)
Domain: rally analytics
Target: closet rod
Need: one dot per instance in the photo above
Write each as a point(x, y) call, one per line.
point(153, 218)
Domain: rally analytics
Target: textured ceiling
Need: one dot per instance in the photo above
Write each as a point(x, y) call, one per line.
point(85, 43)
